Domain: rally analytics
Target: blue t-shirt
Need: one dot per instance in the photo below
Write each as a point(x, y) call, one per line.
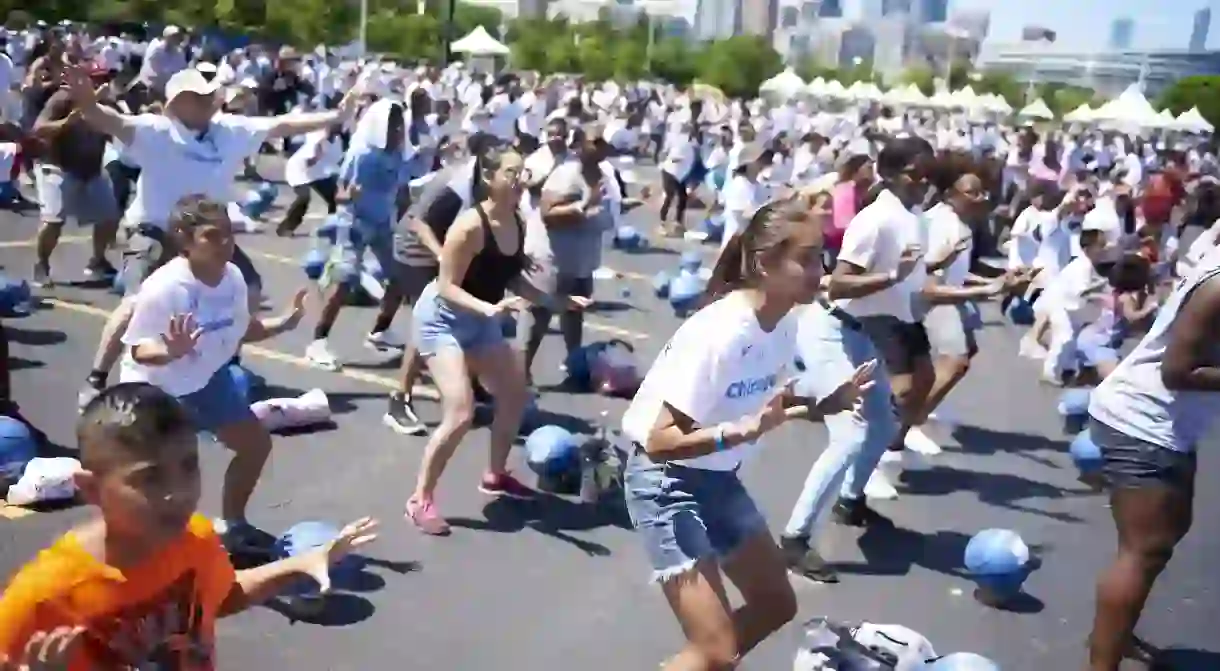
point(377, 174)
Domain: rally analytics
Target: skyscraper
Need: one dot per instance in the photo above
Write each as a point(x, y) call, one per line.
point(831, 9)
point(1198, 34)
point(1121, 33)
point(892, 7)
point(933, 11)
point(716, 19)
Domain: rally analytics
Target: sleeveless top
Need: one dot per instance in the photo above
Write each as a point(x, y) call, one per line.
point(1134, 401)
point(491, 270)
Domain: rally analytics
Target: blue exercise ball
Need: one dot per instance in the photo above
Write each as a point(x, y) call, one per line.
point(962, 661)
point(691, 261)
point(1085, 454)
point(998, 561)
point(685, 292)
point(242, 381)
point(660, 284)
point(1021, 312)
point(627, 238)
point(552, 450)
point(330, 227)
point(17, 448)
point(16, 297)
point(1074, 401)
point(306, 537)
point(314, 264)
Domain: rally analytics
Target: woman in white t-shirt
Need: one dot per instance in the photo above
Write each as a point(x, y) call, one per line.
point(720, 384)
point(743, 193)
point(189, 320)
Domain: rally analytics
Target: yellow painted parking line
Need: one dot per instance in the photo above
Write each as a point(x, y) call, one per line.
point(63, 240)
point(8, 512)
point(263, 352)
point(591, 325)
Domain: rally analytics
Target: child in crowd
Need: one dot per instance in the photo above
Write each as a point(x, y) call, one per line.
point(142, 585)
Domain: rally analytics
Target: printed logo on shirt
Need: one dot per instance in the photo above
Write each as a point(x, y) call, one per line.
point(215, 325)
point(750, 387)
point(166, 633)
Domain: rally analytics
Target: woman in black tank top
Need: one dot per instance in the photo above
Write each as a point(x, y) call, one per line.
point(458, 324)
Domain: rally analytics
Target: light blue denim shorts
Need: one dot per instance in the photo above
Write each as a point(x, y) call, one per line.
point(218, 404)
point(439, 324)
point(686, 514)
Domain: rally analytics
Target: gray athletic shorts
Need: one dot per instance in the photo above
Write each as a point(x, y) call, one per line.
point(61, 195)
point(952, 329)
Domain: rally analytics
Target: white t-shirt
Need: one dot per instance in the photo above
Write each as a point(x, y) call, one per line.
point(945, 229)
point(178, 162)
point(327, 152)
point(874, 241)
point(742, 197)
point(720, 366)
point(221, 312)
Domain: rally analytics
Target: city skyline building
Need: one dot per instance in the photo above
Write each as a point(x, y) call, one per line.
point(1122, 32)
point(1198, 32)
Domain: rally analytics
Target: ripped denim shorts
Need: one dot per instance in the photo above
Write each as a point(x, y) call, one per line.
point(686, 514)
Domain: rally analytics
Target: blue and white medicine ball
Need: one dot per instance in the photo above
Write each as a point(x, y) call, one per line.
point(691, 261)
point(963, 661)
point(1074, 401)
point(998, 560)
point(306, 537)
point(685, 291)
point(1085, 453)
point(314, 264)
point(660, 284)
point(17, 449)
point(552, 450)
point(1021, 312)
point(627, 238)
point(329, 230)
point(16, 297)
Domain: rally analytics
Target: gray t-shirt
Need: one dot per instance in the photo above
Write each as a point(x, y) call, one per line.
point(576, 248)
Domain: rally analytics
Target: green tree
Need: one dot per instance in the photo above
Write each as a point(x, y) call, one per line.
point(674, 61)
point(1001, 84)
point(922, 77)
point(1201, 91)
point(738, 65)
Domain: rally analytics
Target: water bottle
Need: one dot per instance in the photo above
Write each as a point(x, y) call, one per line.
point(592, 456)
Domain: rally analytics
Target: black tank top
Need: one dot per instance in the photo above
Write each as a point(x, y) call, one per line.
point(491, 270)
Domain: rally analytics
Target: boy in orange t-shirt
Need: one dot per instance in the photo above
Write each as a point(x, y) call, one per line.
point(145, 583)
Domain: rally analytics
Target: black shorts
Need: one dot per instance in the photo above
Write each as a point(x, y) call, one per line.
point(411, 280)
point(900, 343)
point(1131, 463)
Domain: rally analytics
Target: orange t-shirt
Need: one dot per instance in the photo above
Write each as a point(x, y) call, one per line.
point(161, 614)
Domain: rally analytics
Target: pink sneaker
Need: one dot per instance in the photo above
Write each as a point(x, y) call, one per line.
point(423, 514)
point(504, 484)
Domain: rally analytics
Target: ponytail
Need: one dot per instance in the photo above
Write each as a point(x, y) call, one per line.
point(729, 271)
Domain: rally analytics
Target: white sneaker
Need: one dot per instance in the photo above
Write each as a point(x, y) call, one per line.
point(1031, 348)
point(384, 341)
point(880, 487)
point(918, 442)
point(319, 355)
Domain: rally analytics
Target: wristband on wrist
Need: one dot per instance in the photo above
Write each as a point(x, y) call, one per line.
point(718, 438)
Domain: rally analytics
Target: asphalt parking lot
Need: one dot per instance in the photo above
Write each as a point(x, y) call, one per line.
point(549, 586)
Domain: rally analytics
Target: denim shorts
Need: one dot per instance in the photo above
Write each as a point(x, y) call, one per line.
point(1131, 463)
point(439, 324)
point(687, 514)
point(218, 404)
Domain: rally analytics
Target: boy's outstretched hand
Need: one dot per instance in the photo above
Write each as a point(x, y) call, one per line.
point(351, 538)
point(46, 651)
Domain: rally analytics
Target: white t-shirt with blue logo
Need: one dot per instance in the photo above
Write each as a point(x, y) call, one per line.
point(222, 312)
point(719, 367)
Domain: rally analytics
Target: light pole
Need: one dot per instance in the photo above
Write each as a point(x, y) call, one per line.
point(364, 27)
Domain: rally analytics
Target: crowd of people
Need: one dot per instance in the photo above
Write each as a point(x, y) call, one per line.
point(853, 249)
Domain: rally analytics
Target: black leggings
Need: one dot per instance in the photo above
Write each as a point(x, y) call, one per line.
point(674, 191)
point(122, 180)
point(326, 187)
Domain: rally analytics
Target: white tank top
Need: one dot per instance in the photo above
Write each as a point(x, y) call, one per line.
point(1134, 401)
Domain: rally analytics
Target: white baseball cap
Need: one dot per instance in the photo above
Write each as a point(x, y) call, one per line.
point(189, 80)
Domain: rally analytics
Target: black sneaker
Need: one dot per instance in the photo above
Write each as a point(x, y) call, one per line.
point(856, 513)
point(100, 269)
point(805, 561)
point(400, 416)
point(42, 275)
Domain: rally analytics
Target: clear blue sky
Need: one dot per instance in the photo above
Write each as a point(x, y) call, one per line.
point(1085, 24)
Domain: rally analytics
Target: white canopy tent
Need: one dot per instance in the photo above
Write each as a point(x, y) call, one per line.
point(1037, 110)
point(785, 86)
point(1192, 121)
point(479, 43)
